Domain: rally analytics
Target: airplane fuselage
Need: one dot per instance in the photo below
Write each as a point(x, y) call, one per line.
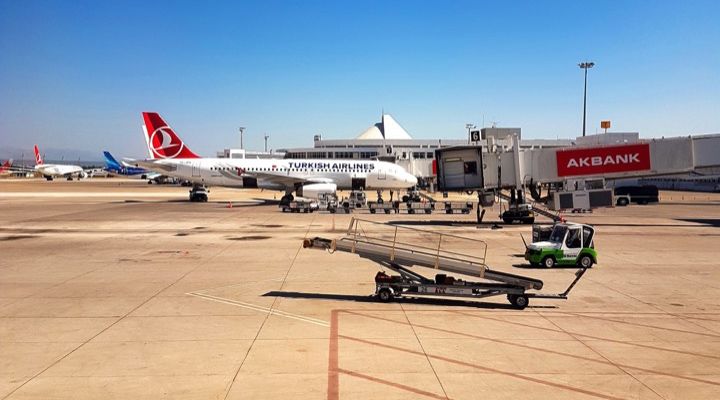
point(59, 169)
point(279, 174)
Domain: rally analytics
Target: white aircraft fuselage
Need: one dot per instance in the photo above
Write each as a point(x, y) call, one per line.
point(285, 174)
point(54, 170)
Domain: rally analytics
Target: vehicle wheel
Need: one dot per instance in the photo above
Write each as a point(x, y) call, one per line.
point(585, 261)
point(405, 198)
point(519, 301)
point(387, 211)
point(428, 211)
point(622, 202)
point(548, 262)
point(372, 211)
point(385, 295)
point(507, 220)
point(332, 210)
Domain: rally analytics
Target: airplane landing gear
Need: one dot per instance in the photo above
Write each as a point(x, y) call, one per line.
point(379, 196)
point(199, 194)
point(286, 199)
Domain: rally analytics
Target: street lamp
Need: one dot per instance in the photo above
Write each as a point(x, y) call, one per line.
point(585, 65)
point(242, 130)
point(266, 138)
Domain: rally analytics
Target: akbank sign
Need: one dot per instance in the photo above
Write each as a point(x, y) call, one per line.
point(603, 160)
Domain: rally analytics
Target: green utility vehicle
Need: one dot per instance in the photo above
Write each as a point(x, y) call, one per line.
point(569, 244)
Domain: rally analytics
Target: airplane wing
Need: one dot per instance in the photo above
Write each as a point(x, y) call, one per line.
point(151, 165)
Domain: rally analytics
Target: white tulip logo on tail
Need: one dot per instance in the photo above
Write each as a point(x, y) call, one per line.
point(165, 145)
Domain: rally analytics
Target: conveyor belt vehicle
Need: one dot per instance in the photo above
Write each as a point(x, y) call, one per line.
point(400, 249)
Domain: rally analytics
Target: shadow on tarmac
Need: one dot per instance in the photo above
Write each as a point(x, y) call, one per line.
point(401, 300)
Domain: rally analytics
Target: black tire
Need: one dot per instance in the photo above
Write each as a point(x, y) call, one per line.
point(405, 198)
point(519, 301)
point(507, 220)
point(549, 262)
point(387, 211)
point(622, 202)
point(385, 295)
point(585, 261)
point(372, 211)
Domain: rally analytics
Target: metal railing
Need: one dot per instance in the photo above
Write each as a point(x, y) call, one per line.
point(393, 238)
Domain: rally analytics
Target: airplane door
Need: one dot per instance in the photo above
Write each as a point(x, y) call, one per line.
point(195, 170)
point(382, 174)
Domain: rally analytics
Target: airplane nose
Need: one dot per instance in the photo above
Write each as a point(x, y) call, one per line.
point(412, 180)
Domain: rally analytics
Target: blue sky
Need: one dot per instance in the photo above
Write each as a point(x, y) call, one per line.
point(77, 74)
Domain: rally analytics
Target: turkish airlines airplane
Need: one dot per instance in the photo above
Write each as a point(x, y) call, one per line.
point(50, 171)
point(306, 177)
point(5, 167)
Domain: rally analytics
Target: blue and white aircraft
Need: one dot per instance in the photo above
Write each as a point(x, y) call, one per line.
point(115, 168)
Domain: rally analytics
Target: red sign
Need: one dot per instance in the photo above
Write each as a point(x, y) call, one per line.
point(603, 160)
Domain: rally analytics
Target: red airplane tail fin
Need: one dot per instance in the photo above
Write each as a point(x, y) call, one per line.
point(38, 157)
point(162, 142)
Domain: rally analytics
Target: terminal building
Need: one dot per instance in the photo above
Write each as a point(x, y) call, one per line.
point(387, 140)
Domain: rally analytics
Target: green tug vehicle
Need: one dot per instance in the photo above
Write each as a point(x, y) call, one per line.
point(568, 244)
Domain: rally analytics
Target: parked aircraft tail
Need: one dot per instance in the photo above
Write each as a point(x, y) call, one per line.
point(162, 142)
point(6, 166)
point(38, 157)
point(111, 163)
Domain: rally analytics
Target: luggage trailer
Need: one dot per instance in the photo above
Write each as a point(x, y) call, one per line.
point(389, 247)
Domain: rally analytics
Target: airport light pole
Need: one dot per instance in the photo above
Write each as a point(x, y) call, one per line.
point(585, 65)
point(266, 138)
point(242, 130)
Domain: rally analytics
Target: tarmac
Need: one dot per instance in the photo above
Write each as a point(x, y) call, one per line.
point(118, 289)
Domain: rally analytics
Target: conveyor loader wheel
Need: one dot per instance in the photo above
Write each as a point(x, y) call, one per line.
point(385, 295)
point(519, 301)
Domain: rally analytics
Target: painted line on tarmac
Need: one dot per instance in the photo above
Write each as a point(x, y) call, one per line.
point(262, 309)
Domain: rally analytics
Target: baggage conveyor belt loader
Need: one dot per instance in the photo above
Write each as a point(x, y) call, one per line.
point(400, 248)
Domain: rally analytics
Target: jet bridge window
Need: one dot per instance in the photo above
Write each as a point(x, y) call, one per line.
point(470, 167)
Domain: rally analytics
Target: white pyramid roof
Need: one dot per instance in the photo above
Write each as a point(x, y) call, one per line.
point(388, 128)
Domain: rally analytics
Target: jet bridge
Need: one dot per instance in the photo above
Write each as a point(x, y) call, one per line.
point(492, 165)
point(401, 248)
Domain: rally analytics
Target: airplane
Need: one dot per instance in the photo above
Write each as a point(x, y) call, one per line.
point(50, 171)
point(5, 168)
point(115, 168)
point(308, 178)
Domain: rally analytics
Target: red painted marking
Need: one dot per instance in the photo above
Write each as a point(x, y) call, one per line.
point(333, 386)
point(393, 384)
point(603, 160)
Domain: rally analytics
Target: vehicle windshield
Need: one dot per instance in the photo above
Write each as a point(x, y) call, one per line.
point(558, 234)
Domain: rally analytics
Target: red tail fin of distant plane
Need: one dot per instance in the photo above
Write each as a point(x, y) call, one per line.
point(162, 141)
point(6, 165)
point(38, 158)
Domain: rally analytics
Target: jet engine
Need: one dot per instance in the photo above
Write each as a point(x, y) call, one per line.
point(314, 190)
